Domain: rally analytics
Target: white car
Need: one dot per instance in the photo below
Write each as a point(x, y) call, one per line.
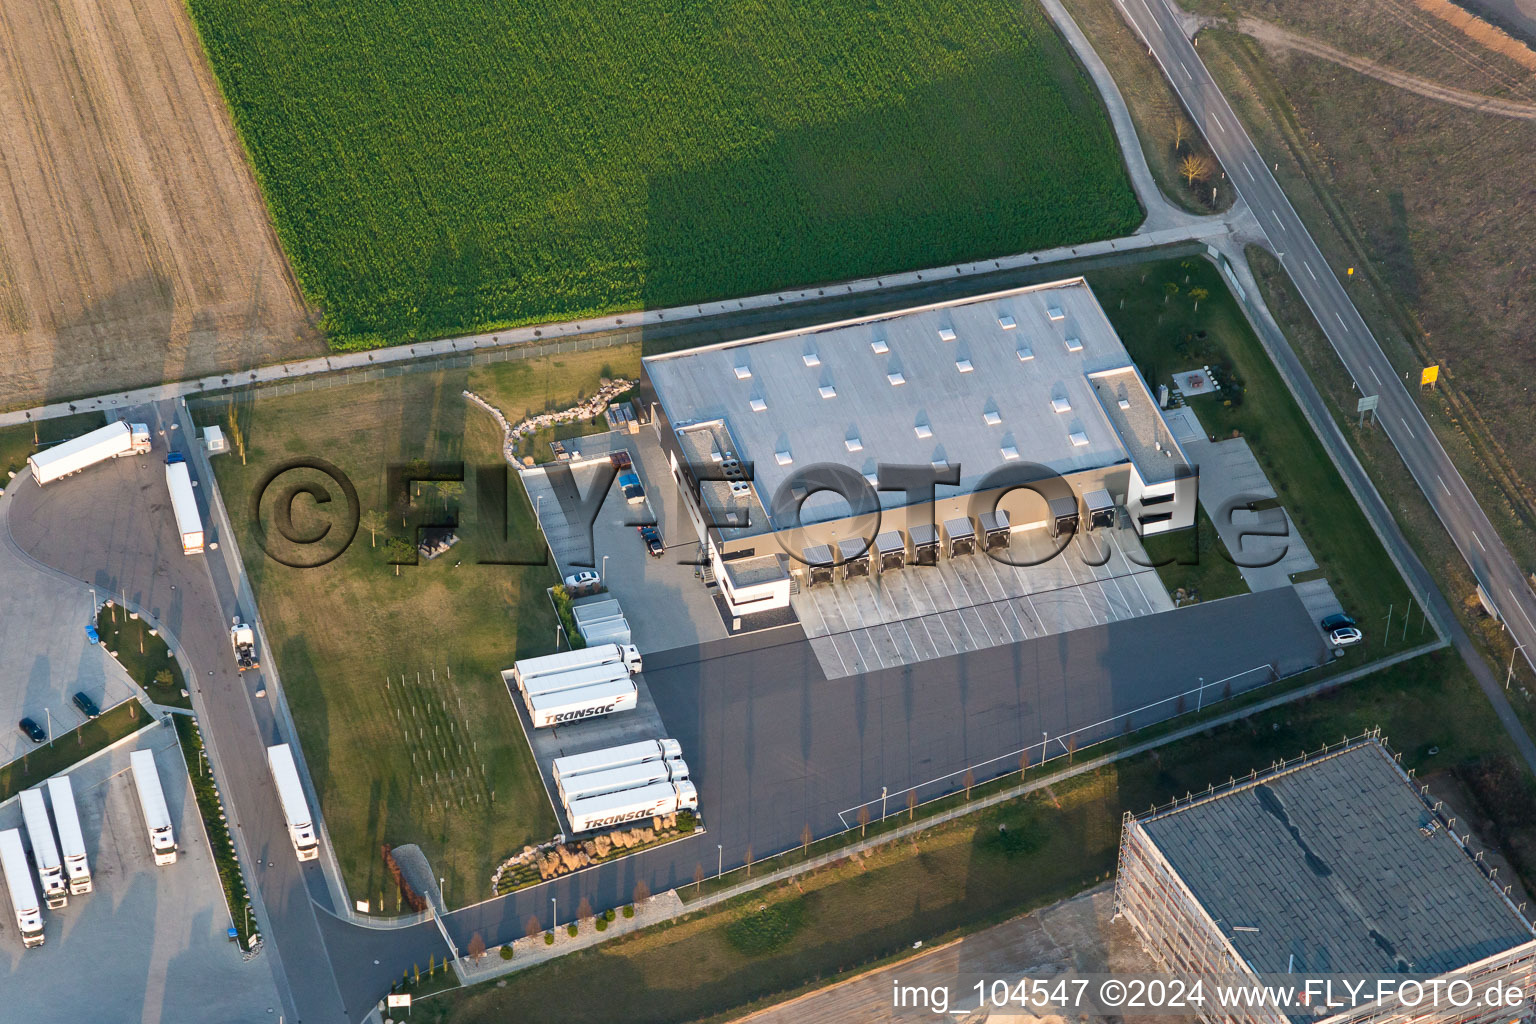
point(584, 578)
point(1344, 636)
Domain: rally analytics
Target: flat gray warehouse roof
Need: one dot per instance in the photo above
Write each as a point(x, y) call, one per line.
point(1339, 863)
point(978, 382)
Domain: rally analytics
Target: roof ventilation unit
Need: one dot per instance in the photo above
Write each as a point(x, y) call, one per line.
point(923, 431)
point(758, 405)
point(1007, 322)
point(1055, 313)
point(1074, 344)
point(879, 346)
point(896, 379)
point(992, 417)
point(1062, 404)
point(812, 359)
point(947, 334)
point(964, 365)
point(828, 391)
point(743, 372)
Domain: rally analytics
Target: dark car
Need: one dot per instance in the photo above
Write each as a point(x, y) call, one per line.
point(32, 731)
point(87, 706)
point(1338, 621)
point(652, 539)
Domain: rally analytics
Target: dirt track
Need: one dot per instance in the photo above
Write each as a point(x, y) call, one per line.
point(134, 245)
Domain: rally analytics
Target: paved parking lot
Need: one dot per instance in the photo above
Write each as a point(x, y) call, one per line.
point(149, 943)
point(666, 604)
point(920, 613)
point(45, 657)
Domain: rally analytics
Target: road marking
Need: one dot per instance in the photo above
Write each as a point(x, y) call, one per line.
point(1479, 540)
point(1249, 171)
point(1444, 488)
point(1188, 75)
point(1373, 373)
point(1341, 319)
point(1309, 272)
point(1216, 123)
point(1408, 428)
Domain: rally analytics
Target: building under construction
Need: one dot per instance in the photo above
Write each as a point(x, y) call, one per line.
point(1339, 863)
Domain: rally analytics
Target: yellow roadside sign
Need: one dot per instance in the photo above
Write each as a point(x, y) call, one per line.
point(1351, 272)
point(1429, 375)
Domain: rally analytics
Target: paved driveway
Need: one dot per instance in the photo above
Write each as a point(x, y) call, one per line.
point(44, 655)
point(149, 943)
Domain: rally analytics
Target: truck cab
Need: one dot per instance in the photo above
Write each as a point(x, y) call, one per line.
point(242, 640)
point(631, 658)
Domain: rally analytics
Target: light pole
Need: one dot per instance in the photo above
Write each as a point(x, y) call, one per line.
point(882, 803)
point(559, 632)
point(719, 861)
point(1510, 672)
point(1200, 696)
point(49, 715)
point(602, 574)
point(537, 501)
point(1045, 747)
point(554, 914)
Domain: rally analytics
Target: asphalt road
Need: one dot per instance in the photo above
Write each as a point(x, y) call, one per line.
point(112, 527)
point(1398, 413)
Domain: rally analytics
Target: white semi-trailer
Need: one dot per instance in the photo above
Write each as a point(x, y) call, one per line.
point(71, 839)
point(576, 679)
point(568, 706)
point(50, 868)
point(112, 441)
point(617, 780)
point(616, 757)
point(290, 792)
point(189, 522)
point(632, 805)
point(157, 817)
point(565, 661)
point(18, 881)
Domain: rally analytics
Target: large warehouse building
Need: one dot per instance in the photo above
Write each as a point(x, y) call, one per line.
point(1337, 864)
point(989, 393)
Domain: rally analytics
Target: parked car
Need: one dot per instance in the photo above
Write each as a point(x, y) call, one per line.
point(87, 706)
point(1344, 636)
point(91, 634)
point(32, 731)
point(584, 578)
point(1333, 622)
point(629, 483)
point(653, 543)
point(620, 459)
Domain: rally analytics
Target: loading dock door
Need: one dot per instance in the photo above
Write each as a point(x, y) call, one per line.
point(891, 546)
point(856, 558)
point(995, 529)
point(1101, 509)
point(925, 544)
point(1064, 515)
point(959, 536)
point(818, 562)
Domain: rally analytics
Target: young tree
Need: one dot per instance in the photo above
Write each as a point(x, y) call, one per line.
point(863, 819)
point(642, 892)
point(1023, 761)
point(531, 927)
point(1181, 130)
point(969, 781)
point(911, 803)
point(1197, 294)
point(1194, 167)
point(748, 859)
point(698, 876)
point(805, 837)
point(372, 520)
point(584, 910)
point(476, 947)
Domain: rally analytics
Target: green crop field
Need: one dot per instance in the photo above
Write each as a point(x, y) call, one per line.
point(454, 165)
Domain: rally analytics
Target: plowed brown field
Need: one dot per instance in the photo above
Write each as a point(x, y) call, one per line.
point(134, 244)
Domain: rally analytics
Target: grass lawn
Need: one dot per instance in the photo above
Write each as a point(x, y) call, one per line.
point(458, 165)
point(68, 748)
point(965, 874)
point(1197, 562)
point(437, 761)
point(1165, 333)
point(236, 898)
point(142, 655)
point(16, 442)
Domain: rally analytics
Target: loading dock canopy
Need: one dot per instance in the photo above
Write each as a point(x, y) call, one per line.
point(891, 546)
point(961, 536)
point(1101, 509)
point(855, 554)
point(925, 544)
point(1064, 514)
point(995, 528)
point(818, 558)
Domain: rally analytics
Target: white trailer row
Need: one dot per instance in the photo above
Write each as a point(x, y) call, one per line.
point(626, 783)
point(112, 441)
point(59, 876)
point(189, 522)
point(573, 685)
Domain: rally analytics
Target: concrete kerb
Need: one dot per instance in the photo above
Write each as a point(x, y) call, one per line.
point(1305, 394)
